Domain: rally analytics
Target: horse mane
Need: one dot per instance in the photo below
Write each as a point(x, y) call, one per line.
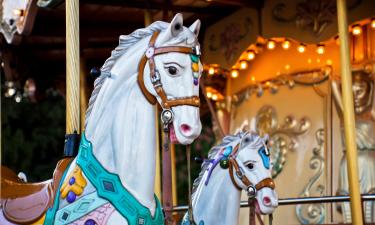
point(125, 42)
point(256, 140)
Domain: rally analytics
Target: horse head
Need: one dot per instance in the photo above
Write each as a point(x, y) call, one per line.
point(251, 170)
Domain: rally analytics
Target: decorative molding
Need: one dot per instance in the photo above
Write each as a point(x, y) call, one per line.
point(307, 78)
point(49, 3)
point(229, 38)
point(283, 136)
point(312, 15)
point(314, 213)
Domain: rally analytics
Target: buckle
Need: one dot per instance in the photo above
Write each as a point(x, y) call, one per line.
point(197, 50)
point(155, 79)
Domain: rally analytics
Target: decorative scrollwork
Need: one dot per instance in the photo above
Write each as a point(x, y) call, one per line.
point(314, 213)
point(314, 15)
point(283, 137)
point(230, 37)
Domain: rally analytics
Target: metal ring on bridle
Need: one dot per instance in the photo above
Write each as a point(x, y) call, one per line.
point(251, 191)
point(167, 116)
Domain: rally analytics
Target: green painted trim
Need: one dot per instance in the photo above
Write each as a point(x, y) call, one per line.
point(109, 187)
point(79, 208)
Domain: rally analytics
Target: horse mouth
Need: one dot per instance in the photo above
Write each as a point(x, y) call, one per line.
point(172, 134)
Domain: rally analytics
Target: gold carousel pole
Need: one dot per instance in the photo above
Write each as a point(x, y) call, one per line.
point(72, 67)
point(349, 122)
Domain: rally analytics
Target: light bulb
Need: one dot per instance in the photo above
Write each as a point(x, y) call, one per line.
point(234, 73)
point(286, 44)
point(271, 44)
point(301, 48)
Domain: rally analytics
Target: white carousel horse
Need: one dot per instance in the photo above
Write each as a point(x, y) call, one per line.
point(244, 165)
point(111, 181)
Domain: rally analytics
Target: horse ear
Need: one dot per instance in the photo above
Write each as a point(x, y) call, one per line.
point(175, 27)
point(265, 138)
point(195, 27)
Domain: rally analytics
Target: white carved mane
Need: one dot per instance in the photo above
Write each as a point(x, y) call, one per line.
point(125, 42)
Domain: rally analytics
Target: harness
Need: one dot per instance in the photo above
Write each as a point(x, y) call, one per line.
point(251, 188)
point(166, 103)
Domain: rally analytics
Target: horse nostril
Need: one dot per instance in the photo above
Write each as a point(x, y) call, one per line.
point(266, 201)
point(185, 128)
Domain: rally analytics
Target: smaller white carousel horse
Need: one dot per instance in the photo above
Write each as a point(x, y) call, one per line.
point(111, 181)
point(244, 164)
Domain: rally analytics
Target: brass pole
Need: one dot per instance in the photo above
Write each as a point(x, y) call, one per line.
point(72, 66)
point(348, 113)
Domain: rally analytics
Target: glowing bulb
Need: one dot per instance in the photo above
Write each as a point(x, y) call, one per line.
point(243, 64)
point(271, 44)
point(373, 23)
point(309, 61)
point(268, 83)
point(214, 97)
point(234, 73)
point(252, 78)
point(11, 91)
point(286, 44)
point(287, 66)
point(250, 55)
point(211, 71)
point(18, 97)
point(329, 62)
point(209, 94)
point(301, 48)
point(357, 30)
point(320, 49)
point(18, 12)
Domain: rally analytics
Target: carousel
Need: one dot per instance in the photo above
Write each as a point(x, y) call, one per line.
point(187, 112)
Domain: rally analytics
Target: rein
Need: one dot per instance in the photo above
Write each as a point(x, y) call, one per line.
point(166, 105)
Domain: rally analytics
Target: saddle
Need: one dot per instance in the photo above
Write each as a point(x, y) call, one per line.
point(24, 203)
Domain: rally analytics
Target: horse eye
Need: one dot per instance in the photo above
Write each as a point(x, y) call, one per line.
point(250, 166)
point(172, 70)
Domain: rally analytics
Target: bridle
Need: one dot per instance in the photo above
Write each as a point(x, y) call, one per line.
point(251, 188)
point(166, 103)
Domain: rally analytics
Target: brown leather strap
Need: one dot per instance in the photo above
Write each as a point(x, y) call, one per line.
point(251, 202)
point(232, 176)
point(150, 98)
point(165, 102)
point(167, 180)
point(267, 182)
point(168, 49)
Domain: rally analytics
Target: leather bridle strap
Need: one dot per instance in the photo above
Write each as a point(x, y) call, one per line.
point(155, 77)
point(267, 182)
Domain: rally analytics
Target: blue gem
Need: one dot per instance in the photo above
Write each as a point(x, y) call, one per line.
point(90, 222)
point(65, 216)
point(71, 197)
point(227, 151)
point(72, 180)
point(195, 81)
point(108, 186)
point(201, 222)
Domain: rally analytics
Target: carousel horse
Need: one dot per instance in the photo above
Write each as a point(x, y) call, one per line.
point(111, 181)
point(240, 162)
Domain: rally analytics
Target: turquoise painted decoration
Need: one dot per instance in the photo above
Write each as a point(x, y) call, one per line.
point(109, 187)
point(201, 222)
point(264, 154)
point(227, 151)
point(194, 58)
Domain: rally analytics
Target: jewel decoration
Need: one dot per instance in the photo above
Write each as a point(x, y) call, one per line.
point(195, 68)
point(73, 186)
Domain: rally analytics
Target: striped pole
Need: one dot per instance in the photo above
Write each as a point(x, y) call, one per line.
point(72, 67)
point(348, 112)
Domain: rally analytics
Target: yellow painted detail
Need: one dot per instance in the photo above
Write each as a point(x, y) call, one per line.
point(40, 221)
point(195, 67)
point(78, 186)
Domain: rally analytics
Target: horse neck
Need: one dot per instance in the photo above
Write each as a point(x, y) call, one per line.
point(123, 137)
point(219, 201)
